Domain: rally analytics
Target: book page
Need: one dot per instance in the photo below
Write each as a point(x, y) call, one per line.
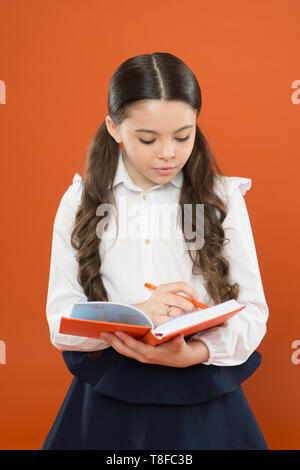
point(111, 312)
point(196, 318)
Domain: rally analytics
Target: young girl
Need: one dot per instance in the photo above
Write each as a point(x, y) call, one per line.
point(185, 393)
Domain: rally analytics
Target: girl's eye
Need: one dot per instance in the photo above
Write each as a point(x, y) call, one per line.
point(151, 141)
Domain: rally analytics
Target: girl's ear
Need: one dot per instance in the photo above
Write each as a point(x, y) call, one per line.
point(113, 129)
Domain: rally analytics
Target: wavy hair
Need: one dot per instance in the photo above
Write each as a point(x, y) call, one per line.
point(160, 76)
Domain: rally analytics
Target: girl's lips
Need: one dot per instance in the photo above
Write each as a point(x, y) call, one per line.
point(163, 172)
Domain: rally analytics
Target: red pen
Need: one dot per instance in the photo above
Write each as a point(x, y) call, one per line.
point(194, 302)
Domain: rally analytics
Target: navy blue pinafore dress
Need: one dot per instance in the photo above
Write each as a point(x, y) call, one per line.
point(117, 403)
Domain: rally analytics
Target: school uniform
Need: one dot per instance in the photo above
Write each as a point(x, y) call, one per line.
point(116, 402)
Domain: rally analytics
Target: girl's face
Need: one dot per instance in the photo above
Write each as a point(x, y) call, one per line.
point(162, 143)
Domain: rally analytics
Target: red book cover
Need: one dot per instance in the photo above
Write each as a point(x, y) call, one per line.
point(89, 319)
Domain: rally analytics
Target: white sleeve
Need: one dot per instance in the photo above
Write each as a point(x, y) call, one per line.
point(64, 289)
point(233, 342)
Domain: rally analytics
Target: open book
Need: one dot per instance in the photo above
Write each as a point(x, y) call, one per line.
point(88, 319)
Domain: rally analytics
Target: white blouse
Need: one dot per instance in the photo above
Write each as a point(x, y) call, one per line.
point(150, 248)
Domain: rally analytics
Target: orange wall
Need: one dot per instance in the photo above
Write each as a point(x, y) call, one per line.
point(56, 59)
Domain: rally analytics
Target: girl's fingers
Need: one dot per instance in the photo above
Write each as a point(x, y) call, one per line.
point(126, 345)
point(138, 346)
point(175, 312)
point(181, 287)
point(179, 302)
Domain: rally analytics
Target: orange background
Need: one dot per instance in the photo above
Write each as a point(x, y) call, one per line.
point(57, 58)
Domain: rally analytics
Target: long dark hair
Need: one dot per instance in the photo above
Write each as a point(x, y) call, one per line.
point(160, 76)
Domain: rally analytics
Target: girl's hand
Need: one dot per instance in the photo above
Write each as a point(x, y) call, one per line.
point(163, 296)
point(173, 353)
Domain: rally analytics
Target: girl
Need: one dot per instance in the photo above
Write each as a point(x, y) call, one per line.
point(185, 393)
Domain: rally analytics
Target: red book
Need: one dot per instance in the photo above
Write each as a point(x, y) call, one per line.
point(89, 319)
